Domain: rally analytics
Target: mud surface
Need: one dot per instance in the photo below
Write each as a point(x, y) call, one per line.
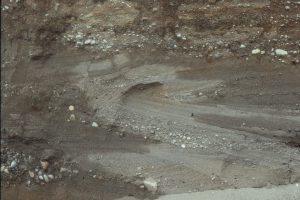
point(98, 96)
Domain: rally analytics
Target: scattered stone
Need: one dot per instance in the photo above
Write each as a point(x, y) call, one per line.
point(30, 159)
point(41, 177)
point(40, 173)
point(183, 146)
point(255, 51)
point(44, 164)
point(6, 171)
point(287, 7)
point(13, 164)
point(72, 117)
point(281, 52)
point(31, 174)
point(150, 184)
point(5, 8)
point(79, 37)
point(63, 169)
point(46, 178)
point(71, 108)
point(242, 46)
point(154, 9)
point(51, 176)
point(90, 41)
point(94, 124)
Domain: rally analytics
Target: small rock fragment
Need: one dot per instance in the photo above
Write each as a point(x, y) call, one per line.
point(50, 176)
point(72, 117)
point(40, 173)
point(46, 178)
point(13, 164)
point(6, 171)
point(71, 108)
point(256, 51)
point(281, 52)
point(63, 169)
point(79, 37)
point(44, 164)
point(150, 184)
point(31, 174)
point(90, 41)
point(94, 124)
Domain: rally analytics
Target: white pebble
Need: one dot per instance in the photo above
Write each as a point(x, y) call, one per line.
point(150, 184)
point(50, 176)
point(88, 41)
point(13, 164)
point(46, 178)
point(79, 37)
point(281, 52)
point(94, 124)
point(71, 108)
point(31, 174)
point(256, 51)
point(72, 117)
point(63, 169)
